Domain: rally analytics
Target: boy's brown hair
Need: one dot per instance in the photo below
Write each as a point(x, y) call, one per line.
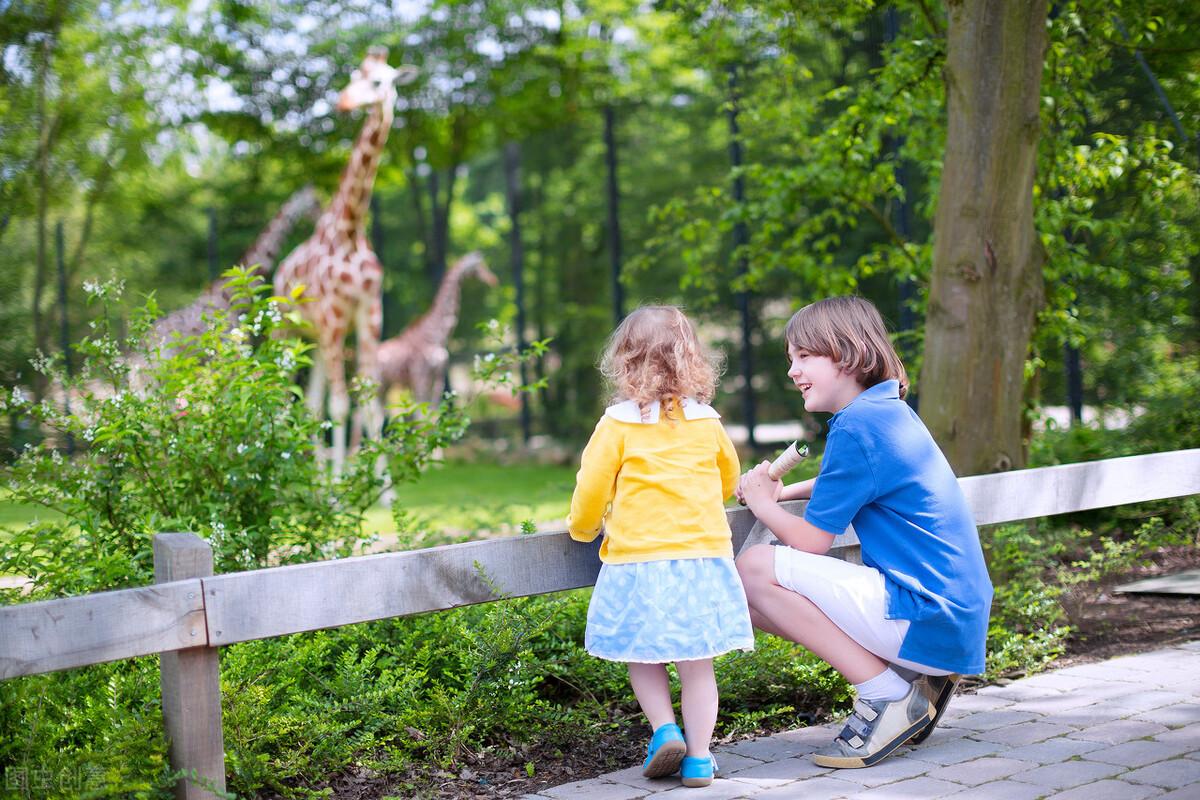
point(850, 331)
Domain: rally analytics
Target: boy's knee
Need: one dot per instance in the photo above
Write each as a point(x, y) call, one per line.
point(757, 564)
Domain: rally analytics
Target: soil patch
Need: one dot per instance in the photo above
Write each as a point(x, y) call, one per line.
point(1106, 625)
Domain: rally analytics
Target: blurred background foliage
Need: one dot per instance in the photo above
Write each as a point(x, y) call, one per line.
point(163, 136)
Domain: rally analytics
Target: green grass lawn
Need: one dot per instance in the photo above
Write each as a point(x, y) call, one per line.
point(458, 498)
point(463, 498)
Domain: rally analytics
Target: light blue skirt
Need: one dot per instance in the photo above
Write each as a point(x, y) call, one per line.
point(655, 612)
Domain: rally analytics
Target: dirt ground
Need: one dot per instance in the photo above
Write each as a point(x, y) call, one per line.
point(1107, 624)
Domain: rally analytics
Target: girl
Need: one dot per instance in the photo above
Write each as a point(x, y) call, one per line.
point(655, 475)
point(918, 604)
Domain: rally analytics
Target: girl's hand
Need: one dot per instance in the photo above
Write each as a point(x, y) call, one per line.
point(756, 486)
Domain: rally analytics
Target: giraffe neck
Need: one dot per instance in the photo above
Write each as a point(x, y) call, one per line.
point(349, 208)
point(439, 321)
point(263, 252)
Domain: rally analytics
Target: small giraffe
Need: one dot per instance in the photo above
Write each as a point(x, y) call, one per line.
point(416, 357)
point(340, 272)
point(189, 320)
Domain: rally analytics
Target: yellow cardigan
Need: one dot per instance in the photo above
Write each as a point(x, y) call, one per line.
point(666, 480)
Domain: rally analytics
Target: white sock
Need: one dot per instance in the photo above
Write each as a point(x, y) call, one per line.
point(886, 686)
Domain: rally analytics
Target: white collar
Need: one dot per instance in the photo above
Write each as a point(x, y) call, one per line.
point(628, 411)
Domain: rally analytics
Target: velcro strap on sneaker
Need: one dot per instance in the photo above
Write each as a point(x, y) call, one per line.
point(863, 709)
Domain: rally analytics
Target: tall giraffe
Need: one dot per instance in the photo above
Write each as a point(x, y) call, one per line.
point(341, 274)
point(416, 357)
point(189, 320)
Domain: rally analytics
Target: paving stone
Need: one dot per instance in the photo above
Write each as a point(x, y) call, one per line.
point(981, 770)
point(1024, 733)
point(941, 735)
point(989, 720)
point(1106, 790)
point(923, 788)
point(1171, 774)
point(1174, 716)
point(775, 772)
point(1186, 793)
point(594, 790)
point(1016, 692)
point(1001, 790)
point(1095, 714)
point(1137, 753)
point(1118, 731)
point(1062, 682)
point(1145, 701)
point(633, 777)
point(1060, 748)
point(1188, 736)
point(730, 762)
point(720, 789)
point(767, 748)
point(1143, 662)
point(824, 788)
point(1057, 704)
point(1105, 671)
point(895, 768)
point(970, 703)
point(1066, 774)
point(954, 751)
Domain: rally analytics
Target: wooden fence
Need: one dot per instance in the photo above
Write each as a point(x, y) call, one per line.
point(189, 612)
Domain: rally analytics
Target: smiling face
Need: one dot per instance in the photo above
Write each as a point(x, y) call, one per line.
point(824, 385)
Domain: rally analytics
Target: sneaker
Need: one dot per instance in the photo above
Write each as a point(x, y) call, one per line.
point(665, 752)
point(696, 771)
point(939, 689)
point(875, 729)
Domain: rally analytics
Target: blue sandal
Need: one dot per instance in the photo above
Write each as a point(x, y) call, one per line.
point(697, 772)
point(665, 752)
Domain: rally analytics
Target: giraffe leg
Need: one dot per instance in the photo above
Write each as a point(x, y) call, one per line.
point(314, 398)
point(332, 343)
point(368, 325)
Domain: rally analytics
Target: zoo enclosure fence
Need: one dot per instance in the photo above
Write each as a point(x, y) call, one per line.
point(189, 613)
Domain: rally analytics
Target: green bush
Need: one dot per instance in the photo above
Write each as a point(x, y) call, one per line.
point(211, 437)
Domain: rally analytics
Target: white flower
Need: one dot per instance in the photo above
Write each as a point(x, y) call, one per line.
point(18, 397)
point(241, 448)
point(285, 455)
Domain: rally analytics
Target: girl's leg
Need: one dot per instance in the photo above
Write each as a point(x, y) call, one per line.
point(699, 704)
point(652, 688)
point(785, 613)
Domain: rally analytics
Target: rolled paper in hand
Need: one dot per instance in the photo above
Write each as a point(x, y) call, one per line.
point(787, 460)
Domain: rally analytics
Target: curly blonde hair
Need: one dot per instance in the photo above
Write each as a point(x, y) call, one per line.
point(850, 331)
point(655, 356)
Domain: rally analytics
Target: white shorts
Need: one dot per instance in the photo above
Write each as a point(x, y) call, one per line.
point(853, 596)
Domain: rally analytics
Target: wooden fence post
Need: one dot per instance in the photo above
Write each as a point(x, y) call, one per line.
point(191, 680)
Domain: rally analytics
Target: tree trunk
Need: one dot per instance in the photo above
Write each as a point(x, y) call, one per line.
point(987, 283)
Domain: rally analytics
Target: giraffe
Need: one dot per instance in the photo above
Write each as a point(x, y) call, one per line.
point(416, 357)
point(340, 272)
point(189, 320)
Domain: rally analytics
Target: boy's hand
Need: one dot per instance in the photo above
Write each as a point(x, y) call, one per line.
point(756, 486)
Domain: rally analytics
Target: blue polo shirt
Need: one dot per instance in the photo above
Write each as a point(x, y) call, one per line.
point(883, 473)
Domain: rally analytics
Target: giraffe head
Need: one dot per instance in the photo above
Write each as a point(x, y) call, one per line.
point(473, 264)
point(374, 81)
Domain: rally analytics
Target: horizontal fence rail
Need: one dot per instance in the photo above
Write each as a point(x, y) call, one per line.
point(190, 612)
point(236, 607)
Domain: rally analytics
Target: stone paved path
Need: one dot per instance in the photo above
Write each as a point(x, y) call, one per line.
point(1123, 729)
